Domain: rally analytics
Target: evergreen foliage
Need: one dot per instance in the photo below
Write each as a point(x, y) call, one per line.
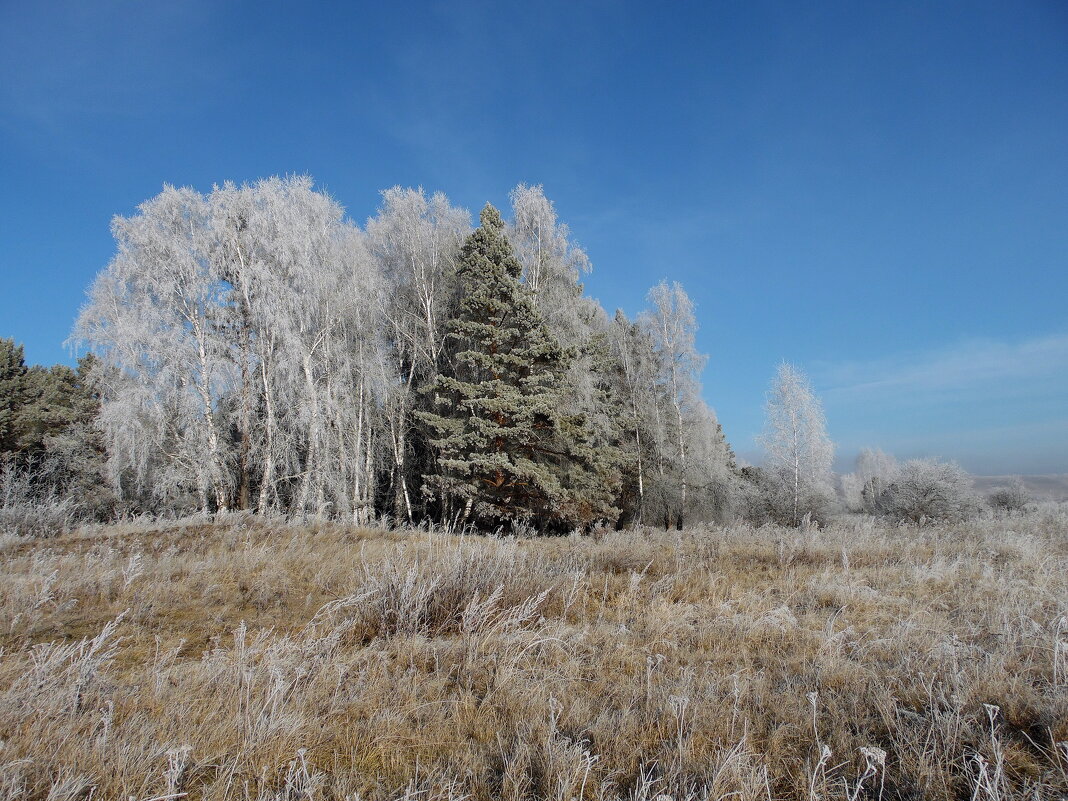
point(506, 450)
point(12, 393)
point(49, 444)
point(39, 403)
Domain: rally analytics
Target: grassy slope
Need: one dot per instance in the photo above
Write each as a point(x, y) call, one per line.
point(263, 661)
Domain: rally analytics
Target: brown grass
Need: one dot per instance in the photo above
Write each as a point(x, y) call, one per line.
point(254, 660)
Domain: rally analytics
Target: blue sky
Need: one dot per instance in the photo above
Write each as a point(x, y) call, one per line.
point(877, 192)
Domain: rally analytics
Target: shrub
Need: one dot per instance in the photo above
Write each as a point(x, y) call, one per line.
point(926, 489)
point(25, 512)
point(1011, 498)
point(766, 498)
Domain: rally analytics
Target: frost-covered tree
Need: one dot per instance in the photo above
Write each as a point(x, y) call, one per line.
point(46, 429)
point(319, 256)
point(1012, 497)
point(552, 269)
point(875, 471)
point(229, 329)
point(301, 313)
point(852, 492)
point(634, 375)
point(678, 464)
point(671, 329)
point(552, 265)
point(712, 471)
point(799, 453)
point(507, 449)
point(153, 314)
point(415, 241)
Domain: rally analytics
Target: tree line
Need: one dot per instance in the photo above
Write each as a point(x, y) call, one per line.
point(251, 348)
point(255, 349)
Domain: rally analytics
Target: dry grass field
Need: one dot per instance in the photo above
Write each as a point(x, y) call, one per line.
point(253, 660)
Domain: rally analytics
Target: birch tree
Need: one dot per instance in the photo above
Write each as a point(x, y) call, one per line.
point(633, 353)
point(671, 327)
point(415, 241)
point(245, 311)
point(299, 277)
point(552, 264)
point(325, 274)
point(152, 314)
point(682, 467)
point(237, 255)
point(798, 451)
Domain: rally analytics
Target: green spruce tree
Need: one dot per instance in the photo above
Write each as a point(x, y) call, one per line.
point(508, 450)
point(12, 394)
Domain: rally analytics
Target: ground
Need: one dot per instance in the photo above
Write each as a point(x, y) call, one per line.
point(240, 658)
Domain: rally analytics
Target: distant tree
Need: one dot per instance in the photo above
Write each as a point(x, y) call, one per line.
point(852, 492)
point(873, 473)
point(507, 448)
point(799, 452)
point(760, 495)
point(1013, 497)
point(876, 471)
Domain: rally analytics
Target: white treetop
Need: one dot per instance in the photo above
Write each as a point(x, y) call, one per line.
point(552, 264)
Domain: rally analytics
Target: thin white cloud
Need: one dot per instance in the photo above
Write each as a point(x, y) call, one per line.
point(995, 406)
point(965, 367)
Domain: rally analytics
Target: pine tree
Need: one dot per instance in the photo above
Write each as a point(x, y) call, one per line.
point(506, 450)
point(12, 393)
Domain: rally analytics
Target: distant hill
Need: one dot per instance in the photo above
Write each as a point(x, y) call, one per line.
point(1053, 487)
